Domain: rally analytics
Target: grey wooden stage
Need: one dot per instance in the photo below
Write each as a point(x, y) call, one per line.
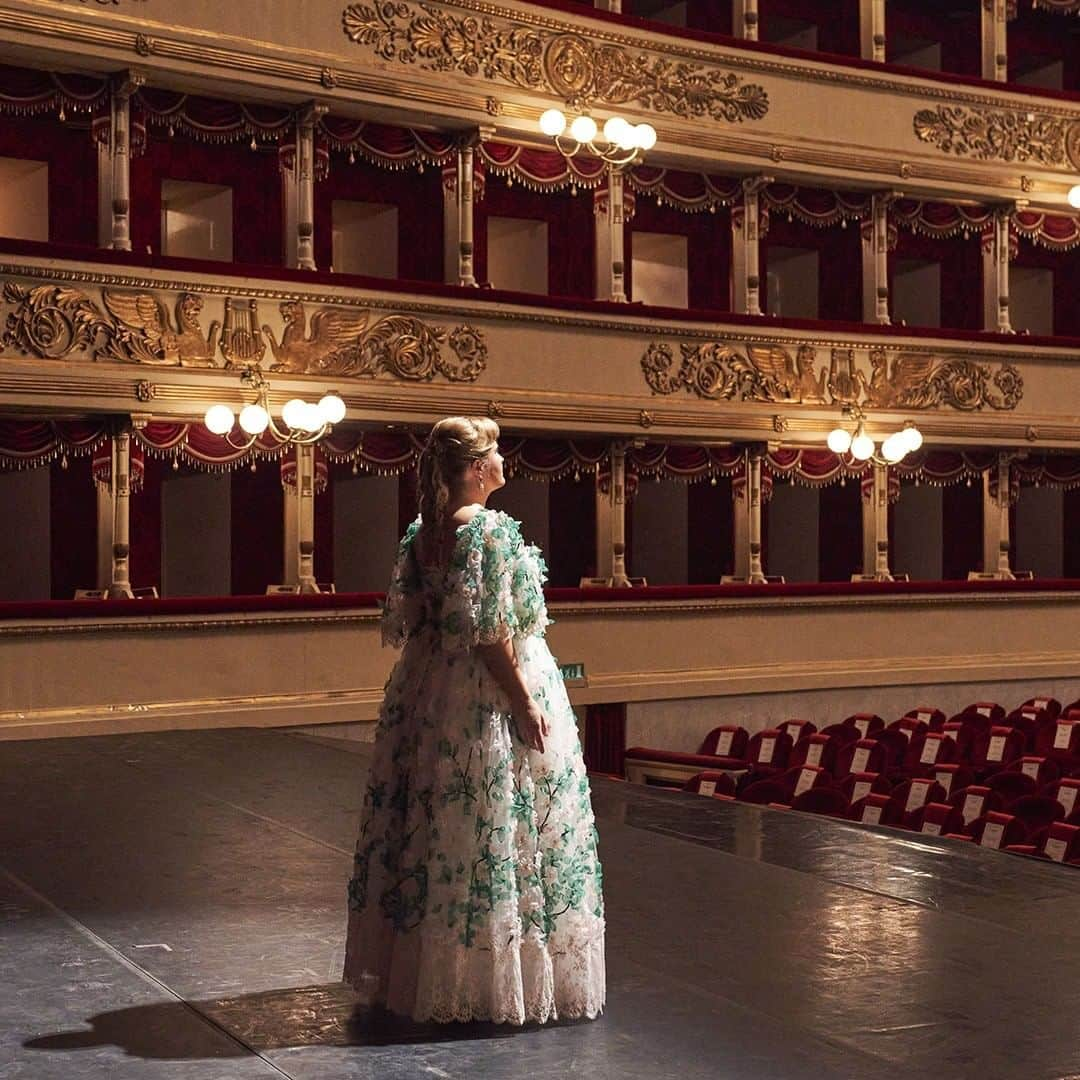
point(172, 905)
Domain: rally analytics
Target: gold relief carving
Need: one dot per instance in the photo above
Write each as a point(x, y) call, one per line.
point(997, 134)
point(145, 390)
point(51, 321)
point(646, 418)
point(242, 342)
point(342, 343)
point(145, 335)
point(568, 65)
point(717, 371)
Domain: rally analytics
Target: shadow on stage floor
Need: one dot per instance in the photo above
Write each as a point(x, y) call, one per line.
point(173, 905)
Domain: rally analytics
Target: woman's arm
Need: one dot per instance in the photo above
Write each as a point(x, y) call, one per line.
point(502, 663)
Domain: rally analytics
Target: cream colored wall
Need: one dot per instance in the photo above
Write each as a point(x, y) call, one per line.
point(24, 548)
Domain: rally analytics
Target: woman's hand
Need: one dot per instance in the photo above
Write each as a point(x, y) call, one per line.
point(532, 724)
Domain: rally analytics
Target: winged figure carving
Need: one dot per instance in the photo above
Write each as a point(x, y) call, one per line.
point(333, 330)
point(771, 374)
point(908, 384)
point(146, 335)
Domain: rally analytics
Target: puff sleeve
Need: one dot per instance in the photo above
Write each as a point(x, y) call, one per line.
point(403, 608)
point(498, 591)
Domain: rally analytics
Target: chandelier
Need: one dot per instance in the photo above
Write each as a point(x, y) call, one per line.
point(620, 142)
point(853, 439)
point(304, 422)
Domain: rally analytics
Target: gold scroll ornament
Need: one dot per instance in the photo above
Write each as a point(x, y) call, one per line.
point(52, 322)
point(719, 371)
point(570, 66)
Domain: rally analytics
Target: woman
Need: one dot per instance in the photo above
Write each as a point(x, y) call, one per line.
point(476, 891)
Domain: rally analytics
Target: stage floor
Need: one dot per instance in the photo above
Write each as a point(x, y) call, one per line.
point(172, 905)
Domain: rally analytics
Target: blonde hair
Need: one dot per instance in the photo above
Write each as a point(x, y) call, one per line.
point(452, 445)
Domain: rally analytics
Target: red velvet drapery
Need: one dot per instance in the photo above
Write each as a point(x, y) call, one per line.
point(710, 519)
point(961, 530)
point(71, 154)
point(839, 531)
point(258, 528)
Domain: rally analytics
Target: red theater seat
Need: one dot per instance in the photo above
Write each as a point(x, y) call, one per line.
point(822, 800)
point(998, 831)
point(843, 733)
point(1036, 812)
point(953, 777)
point(865, 723)
point(913, 795)
point(1011, 785)
point(805, 778)
point(895, 745)
point(975, 801)
point(1048, 705)
point(927, 750)
point(815, 750)
point(990, 710)
point(909, 727)
point(1058, 842)
point(710, 782)
point(764, 793)
point(768, 749)
point(963, 734)
point(1042, 770)
point(933, 718)
point(1065, 792)
point(873, 810)
point(865, 755)
point(992, 750)
point(1060, 739)
point(936, 819)
point(726, 741)
point(797, 729)
point(856, 786)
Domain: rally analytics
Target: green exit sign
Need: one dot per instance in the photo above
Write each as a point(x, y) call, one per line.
point(572, 672)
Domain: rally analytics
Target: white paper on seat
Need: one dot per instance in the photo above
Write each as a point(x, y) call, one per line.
point(996, 748)
point(983, 710)
point(1040, 702)
point(723, 744)
point(858, 762)
point(708, 787)
point(765, 751)
point(906, 732)
point(1063, 736)
point(945, 780)
point(860, 791)
point(1030, 768)
point(992, 833)
point(863, 724)
point(916, 797)
point(972, 808)
point(813, 754)
point(1055, 849)
point(806, 780)
point(929, 751)
point(1067, 797)
point(871, 815)
point(931, 827)
point(925, 714)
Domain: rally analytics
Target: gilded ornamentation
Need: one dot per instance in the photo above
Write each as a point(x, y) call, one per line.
point(996, 134)
point(717, 371)
point(567, 65)
point(242, 342)
point(50, 321)
point(145, 335)
point(341, 343)
point(145, 390)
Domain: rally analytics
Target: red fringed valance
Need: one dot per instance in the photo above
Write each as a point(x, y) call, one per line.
point(210, 120)
point(198, 448)
point(381, 452)
point(551, 459)
point(1058, 232)
point(384, 145)
point(942, 468)
point(816, 206)
point(1060, 7)
point(1049, 470)
point(687, 463)
point(24, 92)
point(29, 444)
point(814, 468)
point(101, 467)
point(940, 219)
point(540, 170)
point(693, 193)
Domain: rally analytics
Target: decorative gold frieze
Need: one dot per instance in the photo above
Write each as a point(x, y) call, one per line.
point(719, 371)
point(55, 322)
point(569, 65)
point(997, 134)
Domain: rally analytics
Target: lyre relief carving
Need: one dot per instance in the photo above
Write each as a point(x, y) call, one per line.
point(242, 342)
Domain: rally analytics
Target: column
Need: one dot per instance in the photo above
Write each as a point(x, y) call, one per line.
point(605, 564)
point(617, 515)
point(877, 241)
point(104, 535)
point(459, 200)
point(755, 454)
point(997, 497)
point(746, 19)
point(304, 194)
point(745, 263)
point(995, 62)
point(1002, 216)
point(608, 5)
point(872, 30)
point(875, 506)
point(305, 518)
point(740, 496)
point(124, 85)
point(120, 489)
point(610, 220)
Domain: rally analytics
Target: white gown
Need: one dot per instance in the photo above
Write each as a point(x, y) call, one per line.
point(476, 890)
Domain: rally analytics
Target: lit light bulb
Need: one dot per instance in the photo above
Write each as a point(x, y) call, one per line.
point(332, 408)
point(552, 122)
point(912, 438)
point(645, 136)
point(293, 413)
point(1074, 196)
point(219, 419)
point(619, 133)
point(839, 440)
point(312, 419)
point(894, 447)
point(254, 419)
point(862, 446)
point(583, 129)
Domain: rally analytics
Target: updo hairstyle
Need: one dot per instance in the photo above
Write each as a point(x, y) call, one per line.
point(454, 443)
